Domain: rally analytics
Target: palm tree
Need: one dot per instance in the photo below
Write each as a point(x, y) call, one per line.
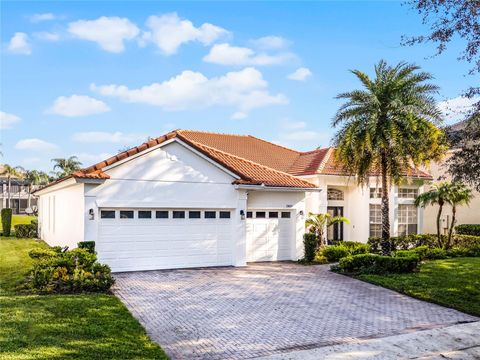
point(459, 195)
point(318, 223)
point(34, 177)
point(11, 171)
point(437, 195)
point(67, 166)
point(386, 127)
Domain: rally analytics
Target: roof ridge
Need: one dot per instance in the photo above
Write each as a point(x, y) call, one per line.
point(251, 162)
point(316, 150)
point(325, 159)
point(209, 132)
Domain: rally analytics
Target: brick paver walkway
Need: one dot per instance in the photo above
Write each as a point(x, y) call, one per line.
point(239, 313)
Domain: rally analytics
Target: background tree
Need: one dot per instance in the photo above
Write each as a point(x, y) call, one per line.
point(35, 177)
point(66, 166)
point(387, 126)
point(319, 223)
point(437, 195)
point(9, 172)
point(459, 195)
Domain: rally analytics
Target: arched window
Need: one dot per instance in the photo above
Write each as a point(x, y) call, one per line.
point(334, 194)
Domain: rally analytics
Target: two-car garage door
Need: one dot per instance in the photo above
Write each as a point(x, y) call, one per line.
point(145, 239)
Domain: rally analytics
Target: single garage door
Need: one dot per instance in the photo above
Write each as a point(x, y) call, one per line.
point(148, 239)
point(270, 235)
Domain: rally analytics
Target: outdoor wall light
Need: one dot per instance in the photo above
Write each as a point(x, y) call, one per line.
point(91, 214)
point(242, 214)
point(300, 212)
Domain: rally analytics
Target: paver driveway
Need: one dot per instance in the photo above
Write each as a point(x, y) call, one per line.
point(238, 313)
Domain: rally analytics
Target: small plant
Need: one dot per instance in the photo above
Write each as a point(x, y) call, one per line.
point(27, 230)
point(318, 223)
point(6, 221)
point(87, 245)
point(377, 264)
point(344, 248)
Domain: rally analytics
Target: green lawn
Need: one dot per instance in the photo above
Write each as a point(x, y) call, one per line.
point(19, 219)
point(453, 283)
point(63, 326)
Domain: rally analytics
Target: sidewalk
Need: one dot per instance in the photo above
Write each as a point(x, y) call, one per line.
point(459, 342)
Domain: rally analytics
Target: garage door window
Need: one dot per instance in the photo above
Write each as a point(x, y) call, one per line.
point(285, 214)
point(210, 214)
point(249, 214)
point(194, 214)
point(179, 214)
point(126, 214)
point(143, 214)
point(107, 214)
point(161, 214)
point(224, 214)
point(260, 215)
point(273, 214)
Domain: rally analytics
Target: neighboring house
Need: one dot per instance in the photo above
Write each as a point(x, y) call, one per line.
point(190, 199)
point(439, 170)
point(20, 199)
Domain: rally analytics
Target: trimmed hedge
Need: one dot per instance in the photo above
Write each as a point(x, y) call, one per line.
point(87, 245)
point(61, 271)
point(310, 245)
point(27, 230)
point(377, 264)
point(344, 248)
point(468, 229)
point(6, 215)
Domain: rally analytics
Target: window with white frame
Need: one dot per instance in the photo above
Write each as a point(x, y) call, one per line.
point(334, 194)
point(375, 193)
point(407, 219)
point(375, 220)
point(407, 193)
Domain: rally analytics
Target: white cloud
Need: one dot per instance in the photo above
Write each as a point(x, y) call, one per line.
point(168, 32)
point(293, 125)
point(47, 36)
point(35, 145)
point(225, 54)
point(301, 74)
point(304, 135)
point(77, 105)
point(8, 120)
point(245, 89)
point(108, 32)
point(456, 108)
point(87, 159)
point(110, 137)
point(42, 17)
point(20, 44)
point(238, 115)
point(270, 42)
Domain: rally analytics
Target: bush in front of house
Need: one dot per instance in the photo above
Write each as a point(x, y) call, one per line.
point(468, 229)
point(344, 248)
point(87, 245)
point(310, 243)
point(377, 264)
point(69, 271)
point(27, 230)
point(6, 215)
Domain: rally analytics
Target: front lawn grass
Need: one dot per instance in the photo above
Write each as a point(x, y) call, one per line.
point(453, 283)
point(89, 326)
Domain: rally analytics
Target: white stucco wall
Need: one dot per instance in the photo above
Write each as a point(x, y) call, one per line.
point(61, 219)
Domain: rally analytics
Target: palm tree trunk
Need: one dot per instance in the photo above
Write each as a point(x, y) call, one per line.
point(8, 191)
point(452, 225)
point(439, 215)
point(385, 208)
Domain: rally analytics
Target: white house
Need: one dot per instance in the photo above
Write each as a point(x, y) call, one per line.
point(194, 199)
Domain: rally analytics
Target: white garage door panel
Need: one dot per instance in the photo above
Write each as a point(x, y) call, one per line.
point(269, 239)
point(147, 244)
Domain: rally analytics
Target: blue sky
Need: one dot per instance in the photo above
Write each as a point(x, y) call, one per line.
point(90, 78)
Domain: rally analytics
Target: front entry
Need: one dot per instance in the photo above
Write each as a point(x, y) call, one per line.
point(335, 232)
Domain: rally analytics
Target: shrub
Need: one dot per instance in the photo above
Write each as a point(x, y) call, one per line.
point(465, 240)
point(74, 271)
point(468, 229)
point(335, 252)
point(436, 253)
point(26, 230)
point(310, 244)
point(88, 245)
point(6, 215)
point(377, 264)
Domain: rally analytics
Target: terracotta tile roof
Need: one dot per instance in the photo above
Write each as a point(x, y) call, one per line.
point(253, 160)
